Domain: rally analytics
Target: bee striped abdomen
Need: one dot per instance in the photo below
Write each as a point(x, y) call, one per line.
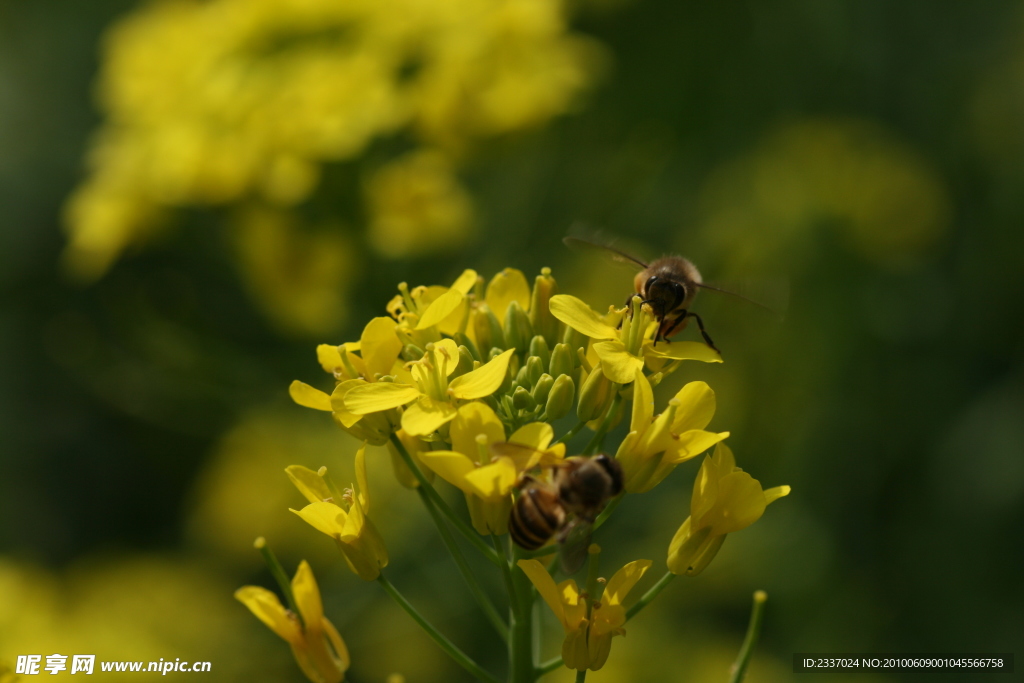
point(535, 518)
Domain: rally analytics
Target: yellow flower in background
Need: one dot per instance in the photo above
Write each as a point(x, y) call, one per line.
point(725, 499)
point(588, 640)
point(316, 644)
point(485, 477)
point(624, 350)
point(654, 446)
point(346, 520)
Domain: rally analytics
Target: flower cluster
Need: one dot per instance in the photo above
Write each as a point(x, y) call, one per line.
point(243, 102)
point(465, 383)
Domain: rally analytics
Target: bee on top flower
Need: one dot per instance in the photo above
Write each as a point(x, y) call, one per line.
point(725, 499)
point(318, 648)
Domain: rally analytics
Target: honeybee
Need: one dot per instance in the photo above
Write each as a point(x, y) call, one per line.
point(566, 507)
point(668, 284)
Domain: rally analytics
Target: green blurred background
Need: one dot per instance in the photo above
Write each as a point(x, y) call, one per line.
point(868, 153)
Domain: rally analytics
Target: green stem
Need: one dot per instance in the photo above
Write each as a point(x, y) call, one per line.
point(739, 669)
point(581, 676)
point(277, 571)
point(565, 438)
point(522, 668)
point(606, 423)
point(436, 498)
point(455, 653)
point(506, 575)
point(646, 598)
point(474, 587)
point(607, 512)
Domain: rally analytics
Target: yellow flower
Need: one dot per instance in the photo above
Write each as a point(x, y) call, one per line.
point(346, 520)
point(587, 640)
point(623, 351)
point(487, 479)
point(725, 499)
point(316, 644)
point(431, 395)
point(655, 445)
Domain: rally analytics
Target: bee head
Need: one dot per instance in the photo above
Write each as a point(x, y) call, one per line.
point(663, 294)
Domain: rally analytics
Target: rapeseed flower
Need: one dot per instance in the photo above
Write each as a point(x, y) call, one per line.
point(318, 648)
point(725, 499)
point(588, 639)
point(655, 445)
point(344, 516)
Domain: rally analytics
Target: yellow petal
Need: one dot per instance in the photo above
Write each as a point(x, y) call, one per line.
point(338, 644)
point(573, 604)
point(705, 488)
point(465, 282)
point(535, 435)
point(307, 594)
point(373, 398)
point(540, 578)
point(309, 483)
point(575, 653)
point(329, 357)
point(685, 350)
point(307, 396)
point(507, 286)
point(643, 403)
point(362, 490)
point(741, 502)
point(268, 609)
point(618, 364)
point(483, 381)
point(696, 407)
point(440, 308)
point(623, 582)
point(692, 443)
point(380, 345)
point(773, 494)
point(579, 316)
point(426, 415)
point(327, 518)
point(450, 466)
point(341, 413)
point(494, 481)
point(474, 419)
point(447, 353)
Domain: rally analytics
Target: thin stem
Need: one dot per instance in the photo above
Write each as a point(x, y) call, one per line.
point(506, 575)
point(455, 653)
point(581, 676)
point(277, 571)
point(607, 512)
point(474, 587)
point(463, 528)
point(606, 423)
point(646, 598)
point(565, 438)
point(522, 665)
point(549, 666)
point(739, 669)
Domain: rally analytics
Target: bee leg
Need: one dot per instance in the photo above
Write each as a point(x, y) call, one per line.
point(700, 326)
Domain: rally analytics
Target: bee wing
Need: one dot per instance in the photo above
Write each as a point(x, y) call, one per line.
point(574, 540)
point(583, 238)
point(769, 295)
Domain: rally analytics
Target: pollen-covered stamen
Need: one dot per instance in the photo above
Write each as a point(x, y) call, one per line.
point(337, 495)
point(410, 304)
point(635, 326)
point(347, 363)
point(434, 366)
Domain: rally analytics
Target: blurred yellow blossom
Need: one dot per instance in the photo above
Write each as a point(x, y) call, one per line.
point(230, 102)
point(318, 648)
point(725, 499)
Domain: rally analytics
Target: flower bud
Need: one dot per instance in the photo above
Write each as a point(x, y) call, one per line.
point(465, 363)
point(539, 348)
point(562, 360)
point(411, 352)
point(534, 369)
point(522, 378)
point(488, 330)
point(463, 340)
point(541, 388)
point(560, 398)
point(522, 400)
point(595, 395)
point(544, 324)
point(518, 330)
